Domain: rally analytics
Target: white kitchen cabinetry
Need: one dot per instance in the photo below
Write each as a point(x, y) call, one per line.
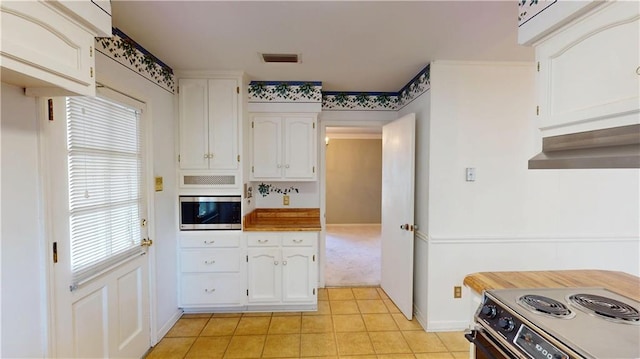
point(589, 71)
point(282, 269)
point(212, 270)
point(209, 124)
point(48, 46)
point(284, 147)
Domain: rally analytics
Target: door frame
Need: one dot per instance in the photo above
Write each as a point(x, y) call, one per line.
point(45, 210)
point(326, 119)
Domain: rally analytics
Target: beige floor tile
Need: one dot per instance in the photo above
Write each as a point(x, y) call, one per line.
point(245, 346)
point(209, 348)
point(226, 315)
point(354, 343)
point(348, 323)
point(423, 342)
point(196, 315)
point(391, 306)
point(323, 294)
point(285, 325)
point(344, 307)
point(282, 346)
point(317, 324)
point(445, 355)
point(461, 355)
point(358, 357)
point(382, 293)
point(187, 327)
point(396, 356)
point(170, 348)
point(220, 326)
point(323, 309)
point(287, 314)
point(405, 324)
point(379, 322)
point(366, 293)
point(389, 343)
point(253, 326)
point(340, 294)
point(454, 341)
point(372, 306)
point(257, 314)
point(317, 345)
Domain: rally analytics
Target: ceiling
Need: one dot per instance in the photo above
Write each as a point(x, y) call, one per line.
point(348, 45)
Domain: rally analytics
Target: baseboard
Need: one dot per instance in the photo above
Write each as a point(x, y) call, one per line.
point(168, 325)
point(420, 317)
point(353, 224)
point(447, 326)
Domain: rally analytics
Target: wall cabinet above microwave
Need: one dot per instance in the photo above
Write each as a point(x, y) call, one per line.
point(48, 46)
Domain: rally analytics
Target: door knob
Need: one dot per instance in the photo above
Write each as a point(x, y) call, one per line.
point(405, 227)
point(146, 242)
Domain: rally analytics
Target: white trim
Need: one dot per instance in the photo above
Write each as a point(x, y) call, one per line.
point(447, 326)
point(420, 317)
point(287, 107)
point(354, 136)
point(422, 236)
point(195, 74)
point(167, 326)
point(527, 239)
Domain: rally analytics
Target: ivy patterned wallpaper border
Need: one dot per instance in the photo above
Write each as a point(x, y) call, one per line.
point(528, 9)
point(129, 53)
point(285, 91)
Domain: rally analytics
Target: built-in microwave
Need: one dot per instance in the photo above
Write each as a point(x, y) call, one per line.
point(210, 213)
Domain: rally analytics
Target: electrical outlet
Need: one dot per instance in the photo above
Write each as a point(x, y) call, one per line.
point(285, 200)
point(457, 292)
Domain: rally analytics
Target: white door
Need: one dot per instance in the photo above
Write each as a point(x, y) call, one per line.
point(194, 124)
point(300, 147)
point(398, 173)
point(264, 272)
point(298, 274)
point(266, 134)
point(223, 124)
point(98, 312)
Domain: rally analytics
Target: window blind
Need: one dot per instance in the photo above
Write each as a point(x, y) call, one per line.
point(105, 185)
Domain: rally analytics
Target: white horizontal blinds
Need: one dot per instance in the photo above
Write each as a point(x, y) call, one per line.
point(105, 185)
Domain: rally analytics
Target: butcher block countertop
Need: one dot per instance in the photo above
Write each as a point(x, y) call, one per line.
point(283, 219)
point(619, 282)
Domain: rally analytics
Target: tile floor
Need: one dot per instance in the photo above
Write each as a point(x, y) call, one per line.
point(359, 322)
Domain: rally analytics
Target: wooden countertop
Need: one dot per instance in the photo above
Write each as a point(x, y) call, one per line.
point(619, 282)
point(283, 219)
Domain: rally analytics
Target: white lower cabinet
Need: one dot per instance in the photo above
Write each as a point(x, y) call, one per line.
point(282, 268)
point(212, 270)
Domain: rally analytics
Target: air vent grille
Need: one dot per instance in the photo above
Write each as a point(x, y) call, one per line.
point(210, 180)
point(281, 58)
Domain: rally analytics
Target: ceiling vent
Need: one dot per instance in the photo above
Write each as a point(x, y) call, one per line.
point(281, 58)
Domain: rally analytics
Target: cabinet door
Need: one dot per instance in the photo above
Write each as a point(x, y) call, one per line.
point(264, 275)
point(300, 147)
point(194, 127)
point(223, 124)
point(587, 77)
point(208, 289)
point(267, 147)
point(298, 274)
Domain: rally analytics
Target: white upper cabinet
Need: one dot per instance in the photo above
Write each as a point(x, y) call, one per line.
point(284, 147)
point(589, 72)
point(209, 124)
point(47, 46)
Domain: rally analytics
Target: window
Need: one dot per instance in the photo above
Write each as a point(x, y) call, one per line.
point(106, 198)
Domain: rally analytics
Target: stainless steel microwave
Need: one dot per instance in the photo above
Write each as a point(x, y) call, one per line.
point(210, 213)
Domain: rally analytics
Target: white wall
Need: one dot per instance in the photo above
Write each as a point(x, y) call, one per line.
point(160, 111)
point(23, 311)
point(512, 218)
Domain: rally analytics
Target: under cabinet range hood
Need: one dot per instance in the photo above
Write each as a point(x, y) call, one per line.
point(617, 147)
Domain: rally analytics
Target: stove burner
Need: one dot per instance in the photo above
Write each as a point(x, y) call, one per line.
point(606, 308)
point(546, 306)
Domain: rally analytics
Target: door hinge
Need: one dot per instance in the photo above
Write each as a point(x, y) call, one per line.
point(314, 169)
point(178, 158)
point(50, 107)
point(55, 252)
point(178, 89)
point(237, 89)
point(247, 259)
point(90, 51)
point(537, 110)
point(538, 66)
point(314, 125)
point(251, 124)
point(314, 258)
point(238, 158)
point(247, 292)
point(91, 71)
point(314, 291)
point(251, 169)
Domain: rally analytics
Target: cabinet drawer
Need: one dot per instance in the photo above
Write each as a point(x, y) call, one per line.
point(300, 240)
point(211, 289)
point(210, 260)
point(207, 240)
point(263, 240)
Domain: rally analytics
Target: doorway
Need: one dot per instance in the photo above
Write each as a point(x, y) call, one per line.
point(353, 175)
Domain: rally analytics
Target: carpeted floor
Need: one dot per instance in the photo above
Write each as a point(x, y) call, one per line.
point(353, 255)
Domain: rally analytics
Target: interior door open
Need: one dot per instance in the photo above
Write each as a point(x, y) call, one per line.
point(398, 173)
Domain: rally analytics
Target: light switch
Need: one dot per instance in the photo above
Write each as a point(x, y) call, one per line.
point(471, 174)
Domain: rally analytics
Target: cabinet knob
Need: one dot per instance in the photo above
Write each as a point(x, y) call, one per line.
point(286, 166)
point(210, 262)
point(209, 242)
point(263, 240)
point(210, 290)
point(284, 263)
point(297, 241)
point(279, 165)
point(638, 70)
point(275, 263)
